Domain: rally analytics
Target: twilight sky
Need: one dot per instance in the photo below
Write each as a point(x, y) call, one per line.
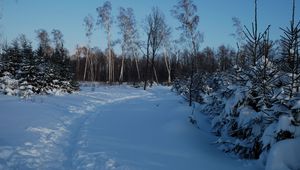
point(26, 16)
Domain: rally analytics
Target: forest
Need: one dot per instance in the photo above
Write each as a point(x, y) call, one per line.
point(250, 92)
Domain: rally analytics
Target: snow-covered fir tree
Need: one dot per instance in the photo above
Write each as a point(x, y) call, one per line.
point(255, 103)
point(25, 72)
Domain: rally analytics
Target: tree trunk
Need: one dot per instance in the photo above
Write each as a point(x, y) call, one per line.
point(137, 67)
point(122, 70)
point(155, 75)
point(191, 86)
point(92, 69)
point(194, 54)
point(255, 34)
point(85, 67)
point(77, 67)
point(168, 66)
point(110, 71)
point(152, 66)
point(147, 63)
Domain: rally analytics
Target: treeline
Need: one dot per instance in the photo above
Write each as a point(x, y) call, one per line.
point(95, 68)
point(46, 70)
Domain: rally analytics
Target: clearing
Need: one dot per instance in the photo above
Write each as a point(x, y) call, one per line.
point(108, 127)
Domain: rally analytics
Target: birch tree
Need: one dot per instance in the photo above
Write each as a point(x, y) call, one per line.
point(57, 38)
point(105, 19)
point(167, 63)
point(167, 52)
point(44, 42)
point(88, 23)
point(239, 37)
point(127, 25)
point(186, 13)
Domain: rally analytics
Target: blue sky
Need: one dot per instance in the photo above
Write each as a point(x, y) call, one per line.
point(26, 16)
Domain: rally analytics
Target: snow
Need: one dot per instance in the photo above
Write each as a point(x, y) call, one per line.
point(297, 105)
point(284, 124)
point(247, 114)
point(108, 127)
point(284, 155)
point(268, 137)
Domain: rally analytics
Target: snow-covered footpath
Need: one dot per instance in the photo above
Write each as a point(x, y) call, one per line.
point(116, 127)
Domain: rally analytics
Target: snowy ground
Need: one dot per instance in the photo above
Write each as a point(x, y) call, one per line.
point(116, 127)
